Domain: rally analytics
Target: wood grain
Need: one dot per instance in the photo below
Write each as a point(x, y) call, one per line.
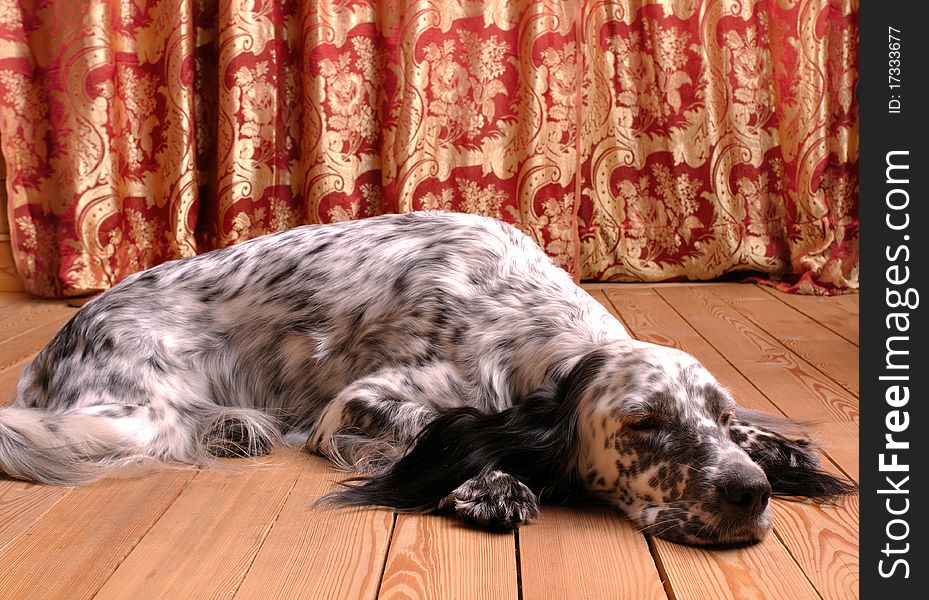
point(832, 355)
point(317, 552)
point(24, 345)
point(439, 557)
point(840, 443)
point(117, 535)
point(847, 302)
point(8, 299)
point(15, 352)
point(649, 318)
point(22, 506)
point(796, 386)
point(763, 571)
point(75, 548)
point(19, 348)
point(586, 552)
point(20, 318)
point(823, 539)
point(205, 542)
point(831, 312)
point(9, 377)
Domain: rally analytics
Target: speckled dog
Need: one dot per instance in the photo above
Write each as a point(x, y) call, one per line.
point(442, 355)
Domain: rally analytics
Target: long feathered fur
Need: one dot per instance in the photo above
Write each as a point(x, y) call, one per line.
point(443, 355)
point(787, 456)
point(535, 441)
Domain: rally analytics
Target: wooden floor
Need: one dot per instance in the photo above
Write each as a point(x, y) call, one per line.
point(253, 532)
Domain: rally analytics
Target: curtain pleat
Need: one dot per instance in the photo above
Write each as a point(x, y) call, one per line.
point(633, 140)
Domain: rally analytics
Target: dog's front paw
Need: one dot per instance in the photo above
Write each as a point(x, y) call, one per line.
point(495, 499)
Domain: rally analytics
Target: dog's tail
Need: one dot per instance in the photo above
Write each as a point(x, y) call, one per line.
point(63, 448)
point(80, 445)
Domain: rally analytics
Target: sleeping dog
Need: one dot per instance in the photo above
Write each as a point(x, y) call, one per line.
point(442, 356)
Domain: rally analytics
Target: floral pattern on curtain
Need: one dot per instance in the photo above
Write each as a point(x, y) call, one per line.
point(633, 140)
point(720, 136)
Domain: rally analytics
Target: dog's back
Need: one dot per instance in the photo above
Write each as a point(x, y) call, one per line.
point(228, 350)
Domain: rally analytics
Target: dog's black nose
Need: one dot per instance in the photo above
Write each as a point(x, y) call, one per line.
point(745, 490)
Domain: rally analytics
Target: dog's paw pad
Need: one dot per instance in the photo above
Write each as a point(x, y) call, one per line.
point(496, 500)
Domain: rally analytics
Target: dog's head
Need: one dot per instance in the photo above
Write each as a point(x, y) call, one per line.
point(660, 439)
point(644, 427)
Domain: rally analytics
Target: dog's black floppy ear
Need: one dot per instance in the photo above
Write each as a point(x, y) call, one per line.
point(535, 441)
point(787, 457)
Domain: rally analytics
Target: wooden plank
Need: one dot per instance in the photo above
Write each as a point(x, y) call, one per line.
point(839, 442)
point(24, 318)
point(22, 506)
point(434, 556)
point(823, 539)
point(649, 318)
point(316, 552)
point(848, 303)
point(78, 545)
point(788, 380)
point(15, 353)
point(14, 299)
point(80, 301)
point(203, 545)
point(9, 377)
point(825, 310)
point(646, 285)
point(26, 344)
point(832, 355)
point(762, 571)
point(586, 552)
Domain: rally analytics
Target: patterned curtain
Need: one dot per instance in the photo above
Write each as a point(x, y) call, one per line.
point(634, 140)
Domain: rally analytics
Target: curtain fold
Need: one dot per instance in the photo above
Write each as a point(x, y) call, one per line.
point(633, 140)
point(721, 136)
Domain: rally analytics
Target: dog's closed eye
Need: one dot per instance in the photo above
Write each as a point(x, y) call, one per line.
point(642, 423)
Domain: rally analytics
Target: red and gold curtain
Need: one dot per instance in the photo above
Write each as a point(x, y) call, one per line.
point(634, 140)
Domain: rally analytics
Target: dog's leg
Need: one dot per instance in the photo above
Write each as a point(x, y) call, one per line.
point(237, 433)
point(494, 499)
point(372, 421)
